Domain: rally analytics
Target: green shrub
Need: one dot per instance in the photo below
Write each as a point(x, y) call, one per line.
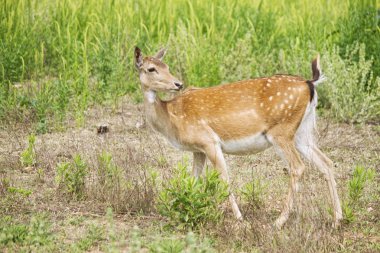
point(351, 92)
point(13, 199)
point(34, 234)
point(12, 233)
point(21, 191)
point(71, 177)
point(253, 193)
point(28, 156)
point(356, 184)
point(110, 184)
point(191, 202)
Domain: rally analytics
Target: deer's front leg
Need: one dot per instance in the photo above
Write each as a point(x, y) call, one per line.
point(215, 155)
point(199, 160)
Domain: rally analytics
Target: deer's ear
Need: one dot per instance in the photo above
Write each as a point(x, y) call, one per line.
point(160, 54)
point(138, 58)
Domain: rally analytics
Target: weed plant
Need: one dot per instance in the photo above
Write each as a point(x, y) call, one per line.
point(71, 178)
point(111, 185)
point(191, 202)
point(360, 178)
point(31, 237)
point(252, 193)
point(28, 156)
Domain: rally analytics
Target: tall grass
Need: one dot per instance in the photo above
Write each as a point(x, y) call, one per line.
point(63, 56)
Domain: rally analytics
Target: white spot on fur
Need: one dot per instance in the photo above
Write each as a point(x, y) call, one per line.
point(278, 93)
point(270, 98)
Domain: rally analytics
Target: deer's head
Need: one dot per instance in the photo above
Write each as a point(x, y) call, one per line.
point(154, 74)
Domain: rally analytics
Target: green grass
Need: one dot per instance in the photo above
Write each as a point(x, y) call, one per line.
point(28, 156)
point(190, 202)
point(59, 57)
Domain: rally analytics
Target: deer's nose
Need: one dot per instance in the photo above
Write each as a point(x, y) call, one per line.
point(179, 85)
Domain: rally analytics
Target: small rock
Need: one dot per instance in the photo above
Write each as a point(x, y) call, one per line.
point(369, 209)
point(140, 125)
point(27, 169)
point(102, 129)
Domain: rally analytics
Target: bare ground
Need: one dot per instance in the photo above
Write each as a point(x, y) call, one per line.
point(135, 147)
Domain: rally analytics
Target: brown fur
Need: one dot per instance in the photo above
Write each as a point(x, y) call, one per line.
point(236, 110)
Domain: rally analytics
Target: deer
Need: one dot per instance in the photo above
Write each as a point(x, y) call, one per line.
point(239, 118)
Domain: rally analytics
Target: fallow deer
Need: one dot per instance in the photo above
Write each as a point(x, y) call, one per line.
point(239, 118)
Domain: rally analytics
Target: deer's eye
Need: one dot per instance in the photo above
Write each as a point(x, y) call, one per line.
point(152, 70)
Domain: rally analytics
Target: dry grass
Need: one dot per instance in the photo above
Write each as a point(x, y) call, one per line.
point(141, 153)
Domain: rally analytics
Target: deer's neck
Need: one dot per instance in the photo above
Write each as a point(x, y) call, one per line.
point(157, 114)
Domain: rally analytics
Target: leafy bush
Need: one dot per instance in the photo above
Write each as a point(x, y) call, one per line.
point(358, 181)
point(111, 185)
point(28, 156)
point(351, 92)
point(253, 193)
point(34, 234)
point(71, 177)
point(191, 202)
point(21, 191)
point(356, 186)
point(13, 199)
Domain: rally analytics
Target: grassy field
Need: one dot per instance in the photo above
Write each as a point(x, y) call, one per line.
point(67, 66)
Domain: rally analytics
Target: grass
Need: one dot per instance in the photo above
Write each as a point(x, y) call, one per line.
point(57, 58)
point(191, 203)
point(28, 156)
point(141, 165)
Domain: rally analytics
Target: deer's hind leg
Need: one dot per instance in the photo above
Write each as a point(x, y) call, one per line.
point(287, 149)
point(313, 154)
point(307, 146)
